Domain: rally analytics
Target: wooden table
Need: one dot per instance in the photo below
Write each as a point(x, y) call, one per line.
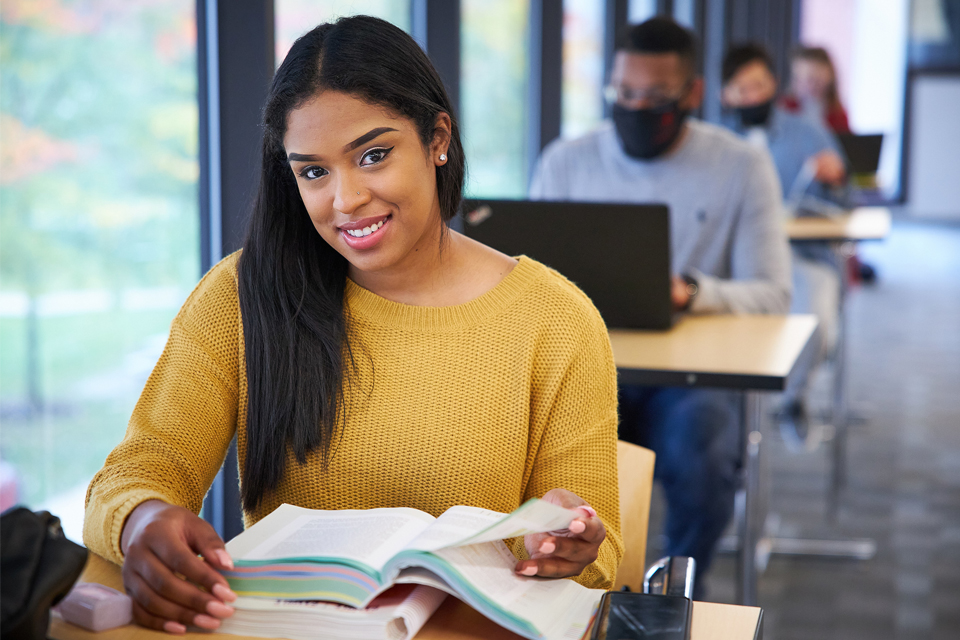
point(453, 621)
point(863, 223)
point(749, 353)
point(726, 351)
point(859, 225)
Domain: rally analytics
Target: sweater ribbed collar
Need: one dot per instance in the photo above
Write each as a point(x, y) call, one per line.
point(369, 307)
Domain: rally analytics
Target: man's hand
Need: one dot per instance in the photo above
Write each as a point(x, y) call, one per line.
point(560, 554)
point(678, 293)
point(170, 585)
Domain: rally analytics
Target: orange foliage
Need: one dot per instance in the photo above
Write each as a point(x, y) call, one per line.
point(26, 152)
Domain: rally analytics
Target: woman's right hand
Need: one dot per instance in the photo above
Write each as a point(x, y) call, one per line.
point(170, 585)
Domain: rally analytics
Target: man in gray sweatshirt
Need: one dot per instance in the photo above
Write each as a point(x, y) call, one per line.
point(729, 254)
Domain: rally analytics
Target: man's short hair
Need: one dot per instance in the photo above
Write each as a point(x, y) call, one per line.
point(740, 56)
point(660, 35)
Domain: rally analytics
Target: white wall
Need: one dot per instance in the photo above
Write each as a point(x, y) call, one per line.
point(934, 159)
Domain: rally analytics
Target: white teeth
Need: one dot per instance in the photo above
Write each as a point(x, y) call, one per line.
point(359, 233)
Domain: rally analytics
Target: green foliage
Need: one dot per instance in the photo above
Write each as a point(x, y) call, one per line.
point(101, 130)
point(98, 190)
point(493, 89)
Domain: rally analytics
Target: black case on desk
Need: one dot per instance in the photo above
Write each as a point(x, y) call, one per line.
point(637, 616)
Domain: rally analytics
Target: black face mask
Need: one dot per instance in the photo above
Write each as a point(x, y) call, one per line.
point(756, 115)
point(648, 133)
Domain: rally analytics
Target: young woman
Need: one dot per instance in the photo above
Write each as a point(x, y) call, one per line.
point(813, 88)
point(363, 354)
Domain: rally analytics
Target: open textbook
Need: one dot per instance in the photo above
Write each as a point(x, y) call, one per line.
point(396, 614)
point(349, 557)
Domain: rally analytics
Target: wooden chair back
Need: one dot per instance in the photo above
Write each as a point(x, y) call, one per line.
point(635, 466)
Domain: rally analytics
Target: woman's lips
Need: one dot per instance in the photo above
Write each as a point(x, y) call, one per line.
point(366, 236)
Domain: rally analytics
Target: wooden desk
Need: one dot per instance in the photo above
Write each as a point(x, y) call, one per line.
point(453, 621)
point(860, 224)
point(863, 223)
point(727, 351)
point(745, 352)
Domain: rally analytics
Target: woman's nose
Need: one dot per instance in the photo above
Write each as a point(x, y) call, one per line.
point(350, 195)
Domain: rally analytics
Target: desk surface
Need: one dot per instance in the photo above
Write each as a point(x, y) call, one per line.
point(453, 621)
point(863, 223)
point(729, 351)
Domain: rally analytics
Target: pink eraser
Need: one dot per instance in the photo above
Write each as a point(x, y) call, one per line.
point(96, 607)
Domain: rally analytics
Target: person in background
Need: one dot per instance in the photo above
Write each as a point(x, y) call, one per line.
point(806, 158)
point(728, 249)
point(813, 89)
point(813, 93)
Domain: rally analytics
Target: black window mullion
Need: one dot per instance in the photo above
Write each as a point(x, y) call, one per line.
point(235, 63)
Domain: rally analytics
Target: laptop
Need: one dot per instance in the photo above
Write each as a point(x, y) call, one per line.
point(863, 152)
point(618, 254)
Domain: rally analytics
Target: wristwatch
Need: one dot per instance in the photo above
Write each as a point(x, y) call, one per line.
point(692, 289)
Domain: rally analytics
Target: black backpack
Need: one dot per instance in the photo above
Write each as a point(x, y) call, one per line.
point(39, 566)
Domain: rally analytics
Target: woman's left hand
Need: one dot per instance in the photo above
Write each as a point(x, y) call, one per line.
point(560, 554)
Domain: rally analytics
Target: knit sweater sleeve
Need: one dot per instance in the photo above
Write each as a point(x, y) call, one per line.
point(182, 425)
point(576, 433)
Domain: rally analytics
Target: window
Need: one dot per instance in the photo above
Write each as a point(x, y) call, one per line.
point(99, 241)
point(582, 66)
point(641, 10)
point(293, 18)
point(494, 37)
point(868, 45)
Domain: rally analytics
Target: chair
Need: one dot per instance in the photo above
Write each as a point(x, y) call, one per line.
point(635, 466)
point(673, 575)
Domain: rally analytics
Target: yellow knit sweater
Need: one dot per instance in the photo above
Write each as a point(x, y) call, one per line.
point(487, 403)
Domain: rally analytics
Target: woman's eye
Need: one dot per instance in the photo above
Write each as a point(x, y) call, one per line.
point(374, 156)
point(312, 173)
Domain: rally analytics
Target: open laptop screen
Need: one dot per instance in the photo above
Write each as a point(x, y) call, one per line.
point(618, 254)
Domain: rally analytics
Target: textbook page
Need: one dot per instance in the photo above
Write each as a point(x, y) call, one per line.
point(483, 576)
point(370, 536)
point(553, 606)
point(462, 525)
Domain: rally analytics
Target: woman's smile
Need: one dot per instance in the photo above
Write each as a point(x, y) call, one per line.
point(366, 233)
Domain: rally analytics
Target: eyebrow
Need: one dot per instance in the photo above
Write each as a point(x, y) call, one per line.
point(365, 138)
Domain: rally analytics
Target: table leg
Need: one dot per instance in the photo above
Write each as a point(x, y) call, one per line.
point(860, 548)
point(748, 511)
point(838, 467)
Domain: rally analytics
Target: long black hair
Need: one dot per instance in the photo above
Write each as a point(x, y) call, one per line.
point(291, 281)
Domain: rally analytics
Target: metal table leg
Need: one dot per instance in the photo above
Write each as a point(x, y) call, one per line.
point(748, 522)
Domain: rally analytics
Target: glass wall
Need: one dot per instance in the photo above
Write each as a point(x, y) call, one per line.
point(293, 18)
point(99, 234)
point(495, 69)
point(582, 66)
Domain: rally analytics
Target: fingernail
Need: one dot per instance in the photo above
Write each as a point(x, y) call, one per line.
point(577, 526)
point(529, 571)
point(588, 510)
point(224, 593)
point(225, 559)
point(174, 627)
point(205, 621)
point(547, 547)
point(218, 609)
